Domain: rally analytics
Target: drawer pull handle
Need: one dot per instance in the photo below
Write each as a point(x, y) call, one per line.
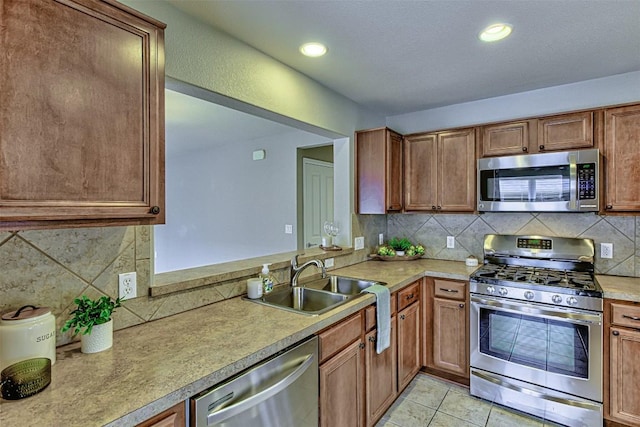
point(455, 291)
point(461, 305)
point(636, 318)
point(402, 317)
point(410, 296)
point(361, 346)
point(616, 333)
point(372, 339)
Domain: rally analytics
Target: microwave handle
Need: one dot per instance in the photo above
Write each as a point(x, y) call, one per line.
point(573, 182)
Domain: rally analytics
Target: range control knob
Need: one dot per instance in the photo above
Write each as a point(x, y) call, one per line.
point(529, 295)
point(503, 291)
point(491, 289)
point(557, 299)
point(572, 301)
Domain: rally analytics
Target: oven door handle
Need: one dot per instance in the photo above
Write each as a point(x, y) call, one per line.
point(536, 310)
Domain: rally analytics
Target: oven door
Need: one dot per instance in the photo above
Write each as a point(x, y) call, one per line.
point(553, 347)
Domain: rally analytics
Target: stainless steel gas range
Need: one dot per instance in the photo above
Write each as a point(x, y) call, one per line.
point(536, 328)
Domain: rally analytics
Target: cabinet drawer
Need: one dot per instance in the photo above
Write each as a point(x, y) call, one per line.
point(370, 313)
point(408, 295)
point(449, 289)
point(625, 315)
point(338, 337)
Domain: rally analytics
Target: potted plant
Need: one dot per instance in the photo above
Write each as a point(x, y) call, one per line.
point(400, 245)
point(92, 318)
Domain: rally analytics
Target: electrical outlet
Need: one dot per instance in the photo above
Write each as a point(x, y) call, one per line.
point(288, 229)
point(380, 239)
point(451, 242)
point(606, 250)
point(358, 243)
point(328, 262)
point(127, 287)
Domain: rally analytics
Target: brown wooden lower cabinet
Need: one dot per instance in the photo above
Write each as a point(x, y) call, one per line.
point(445, 337)
point(409, 360)
point(172, 417)
point(380, 375)
point(622, 357)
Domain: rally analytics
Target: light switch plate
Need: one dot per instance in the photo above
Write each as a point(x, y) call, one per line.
point(358, 243)
point(288, 229)
point(451, 242)
point(328, 262)
point(380, 238)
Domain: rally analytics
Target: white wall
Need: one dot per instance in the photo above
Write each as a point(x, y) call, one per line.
point(223, 206)
point(618, 89)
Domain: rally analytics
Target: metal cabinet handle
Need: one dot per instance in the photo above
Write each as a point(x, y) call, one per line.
point(615, 333)
point(433, 208)
point(608, 207)
point(525, 149)
point(402, 317)
point(372, 339)
point(155, 210)
point(541, 147)
point(439, 207)
point(461, 305)
point(631, 317)
point(455, 291)
point(361, 346)
point(410, 296)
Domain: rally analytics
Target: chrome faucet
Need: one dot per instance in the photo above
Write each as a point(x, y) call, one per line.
point(297, 270)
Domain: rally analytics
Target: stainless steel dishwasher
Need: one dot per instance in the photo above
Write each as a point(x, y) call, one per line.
point(281, 391)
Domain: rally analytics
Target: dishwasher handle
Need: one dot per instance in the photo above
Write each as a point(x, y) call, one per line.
point(218, 416)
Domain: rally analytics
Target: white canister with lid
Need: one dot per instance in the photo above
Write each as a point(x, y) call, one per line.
point(27, 333)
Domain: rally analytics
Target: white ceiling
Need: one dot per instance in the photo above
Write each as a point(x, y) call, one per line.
point(399, 56)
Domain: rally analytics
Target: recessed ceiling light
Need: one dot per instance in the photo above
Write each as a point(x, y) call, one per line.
point(313, 49)
point(495, 32)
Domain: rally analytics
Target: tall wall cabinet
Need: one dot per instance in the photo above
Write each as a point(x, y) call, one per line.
point(81, 114)
point(378, 171)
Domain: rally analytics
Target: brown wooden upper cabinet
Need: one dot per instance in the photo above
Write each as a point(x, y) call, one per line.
point(555, 133)
point(622, 158)
point(440, 171)
point(378, 171)
point(81, 115)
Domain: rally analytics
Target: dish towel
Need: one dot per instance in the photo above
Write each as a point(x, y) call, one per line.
point(383, 315)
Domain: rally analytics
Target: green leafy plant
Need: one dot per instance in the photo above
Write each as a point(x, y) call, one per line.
point(400, 244)
point(89, 313)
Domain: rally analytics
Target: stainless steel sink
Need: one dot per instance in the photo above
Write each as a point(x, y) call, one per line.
point(345, 285)
point(303, 300)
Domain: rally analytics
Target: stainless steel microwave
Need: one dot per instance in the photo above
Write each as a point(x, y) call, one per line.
point(565, 181)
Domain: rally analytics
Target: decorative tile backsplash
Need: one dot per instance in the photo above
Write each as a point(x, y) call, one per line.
point(469, 231)
point(52, 267)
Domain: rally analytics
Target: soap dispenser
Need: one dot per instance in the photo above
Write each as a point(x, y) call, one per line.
point(267, 279)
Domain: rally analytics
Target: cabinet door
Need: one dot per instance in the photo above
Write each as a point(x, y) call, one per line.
point(341, 388)
point(83, 121)
point(568, 131)
point(457, 171)
point(172, 417)
point(449, 336)
point(505, 139)
point(381, 385)
point(394, 171)
point(624, 371)
point(421, 172)
point(622, 158)
point(409, 360)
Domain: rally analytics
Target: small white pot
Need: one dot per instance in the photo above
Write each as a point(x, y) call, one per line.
point(100, 338)
point(400, 253)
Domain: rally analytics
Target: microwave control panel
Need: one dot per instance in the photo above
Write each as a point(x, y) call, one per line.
point(586, 181)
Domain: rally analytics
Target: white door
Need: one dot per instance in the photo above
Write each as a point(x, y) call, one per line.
point(317, 178)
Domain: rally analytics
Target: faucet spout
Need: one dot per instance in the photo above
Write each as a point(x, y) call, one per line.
point(297, 270)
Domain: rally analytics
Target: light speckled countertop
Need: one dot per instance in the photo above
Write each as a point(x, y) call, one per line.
point(153, 366)
point(619, 287)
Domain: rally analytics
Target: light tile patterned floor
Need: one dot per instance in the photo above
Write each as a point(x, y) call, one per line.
point(428, 401)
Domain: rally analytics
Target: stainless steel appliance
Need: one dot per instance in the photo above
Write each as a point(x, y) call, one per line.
point(536, 328)
point(550, 182)
point(282, 392)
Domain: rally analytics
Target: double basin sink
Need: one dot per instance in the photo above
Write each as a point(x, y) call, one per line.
point(317, 296)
